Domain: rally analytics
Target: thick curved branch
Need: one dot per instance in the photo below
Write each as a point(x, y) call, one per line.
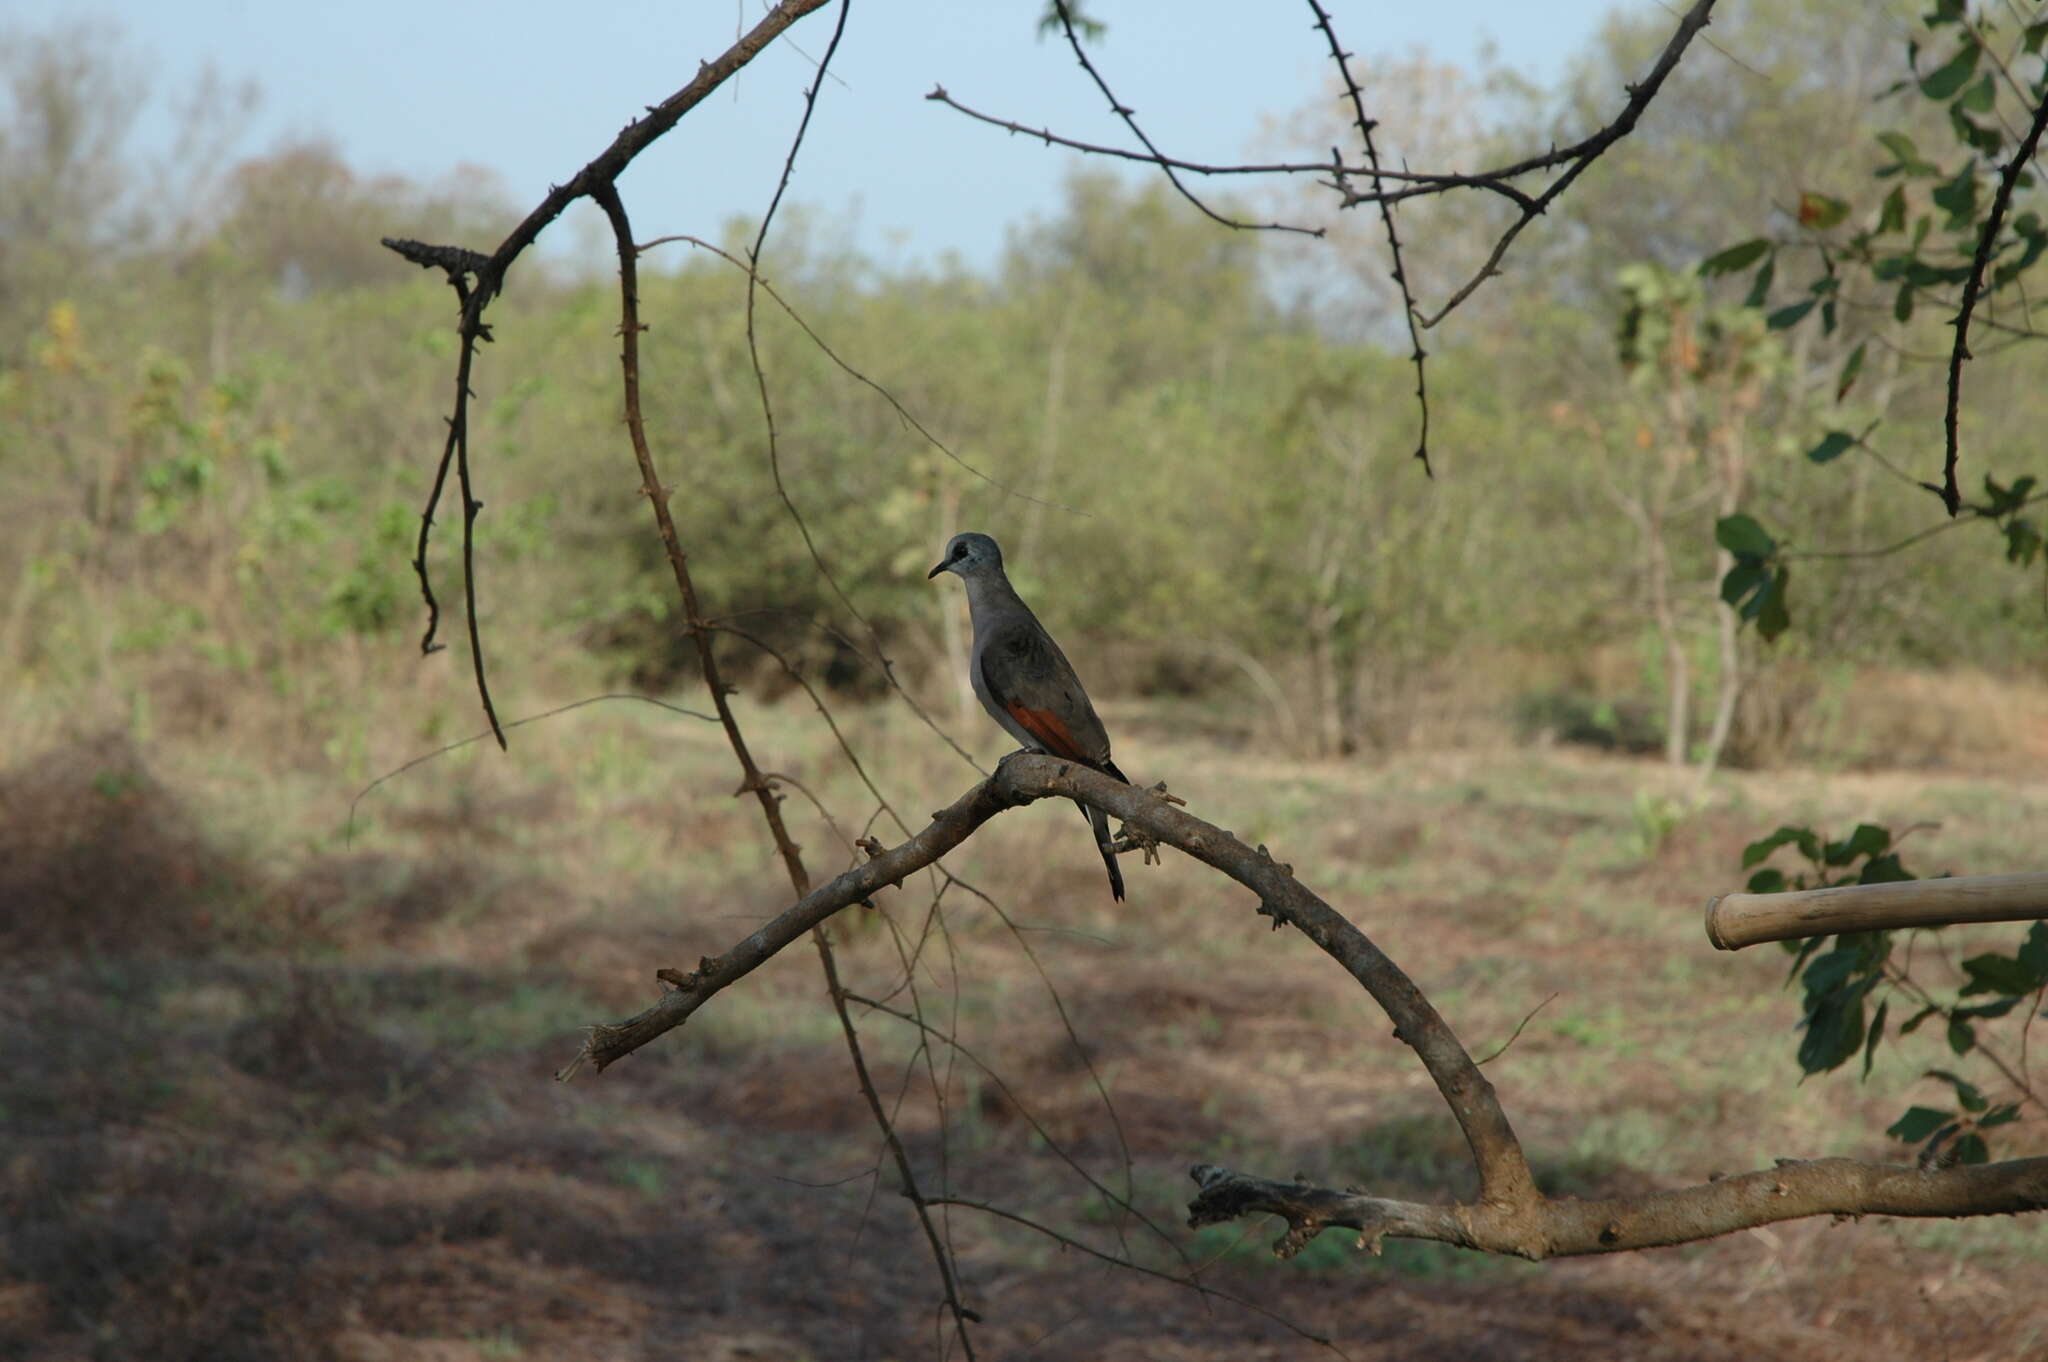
point(2022, 157)
point(1568, 1227)
point(1503, 1171)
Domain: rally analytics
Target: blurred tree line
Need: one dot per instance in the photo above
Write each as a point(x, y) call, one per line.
point(218, 412)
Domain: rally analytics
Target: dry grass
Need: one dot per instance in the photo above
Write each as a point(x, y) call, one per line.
point(274, 1094)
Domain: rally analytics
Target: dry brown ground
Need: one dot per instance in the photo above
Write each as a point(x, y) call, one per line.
point(270, 1095)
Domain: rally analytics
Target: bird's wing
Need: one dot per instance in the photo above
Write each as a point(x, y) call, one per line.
point(1030, 680)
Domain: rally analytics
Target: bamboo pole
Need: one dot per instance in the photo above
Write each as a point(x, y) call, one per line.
point(1738, 920)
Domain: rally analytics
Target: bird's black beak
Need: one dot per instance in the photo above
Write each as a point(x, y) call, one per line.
point(936, 571)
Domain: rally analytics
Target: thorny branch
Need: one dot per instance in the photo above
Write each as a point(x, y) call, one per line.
point(701, 633)
point(1365, 126)
point(2008, 180)
point(1500, 180)
point(1420, 182)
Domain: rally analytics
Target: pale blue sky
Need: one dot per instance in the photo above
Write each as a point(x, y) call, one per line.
point(533, 90)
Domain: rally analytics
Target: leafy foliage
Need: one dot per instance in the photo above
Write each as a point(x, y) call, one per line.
point(1850, 988)
point(1913, 237)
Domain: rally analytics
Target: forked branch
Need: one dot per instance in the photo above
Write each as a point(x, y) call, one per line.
point(1510, 1216)
point(1504, 1173)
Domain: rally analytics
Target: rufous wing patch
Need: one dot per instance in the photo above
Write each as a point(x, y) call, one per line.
point(1051, 733)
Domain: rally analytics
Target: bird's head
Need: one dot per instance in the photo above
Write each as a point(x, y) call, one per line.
point(970, 555)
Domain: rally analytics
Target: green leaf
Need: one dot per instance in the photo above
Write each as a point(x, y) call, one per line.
point(1808, 842)
point(1913, 1022)
point(1760, 287)
point(1746, 576)
point(1832, 970)
point(1836, 442)
point(1892, 218)
point(2034, 950)
point(1773, 616)
point(1979, 97)
point(1735, 257)
point(1917, 1124)
point(1902, 306)
point(1900, 145)
point(1962, 1037)
point(1790, 314)
point(1743, 537)
point(1950, 76)
point(1801, 950)
point(1876, 1031)
point(1868, 840)
point(2000, 974)
point(1820, 211)
point(1885, 870)
point(1971, 1149)
point(1769, 880)
point(1834, 1024)
point(1851, 367)
point(1998, 1116)
point(1966, 1091)
point(1958, 197)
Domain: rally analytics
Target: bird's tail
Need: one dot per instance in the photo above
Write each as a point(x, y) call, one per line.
point(1099, 821)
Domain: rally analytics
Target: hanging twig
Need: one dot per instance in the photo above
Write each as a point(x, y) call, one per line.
point(1365, 126)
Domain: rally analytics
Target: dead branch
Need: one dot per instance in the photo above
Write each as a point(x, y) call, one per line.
point(488, 275)
point(1575, 158)
point(1565, 1227)
point(1580, 155)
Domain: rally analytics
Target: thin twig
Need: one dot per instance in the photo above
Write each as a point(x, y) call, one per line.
point(1422, 182)
point(349, 827)
point(1130, 118)
point(1067, 1241)
point(1504, 1045)
point(903, 413)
